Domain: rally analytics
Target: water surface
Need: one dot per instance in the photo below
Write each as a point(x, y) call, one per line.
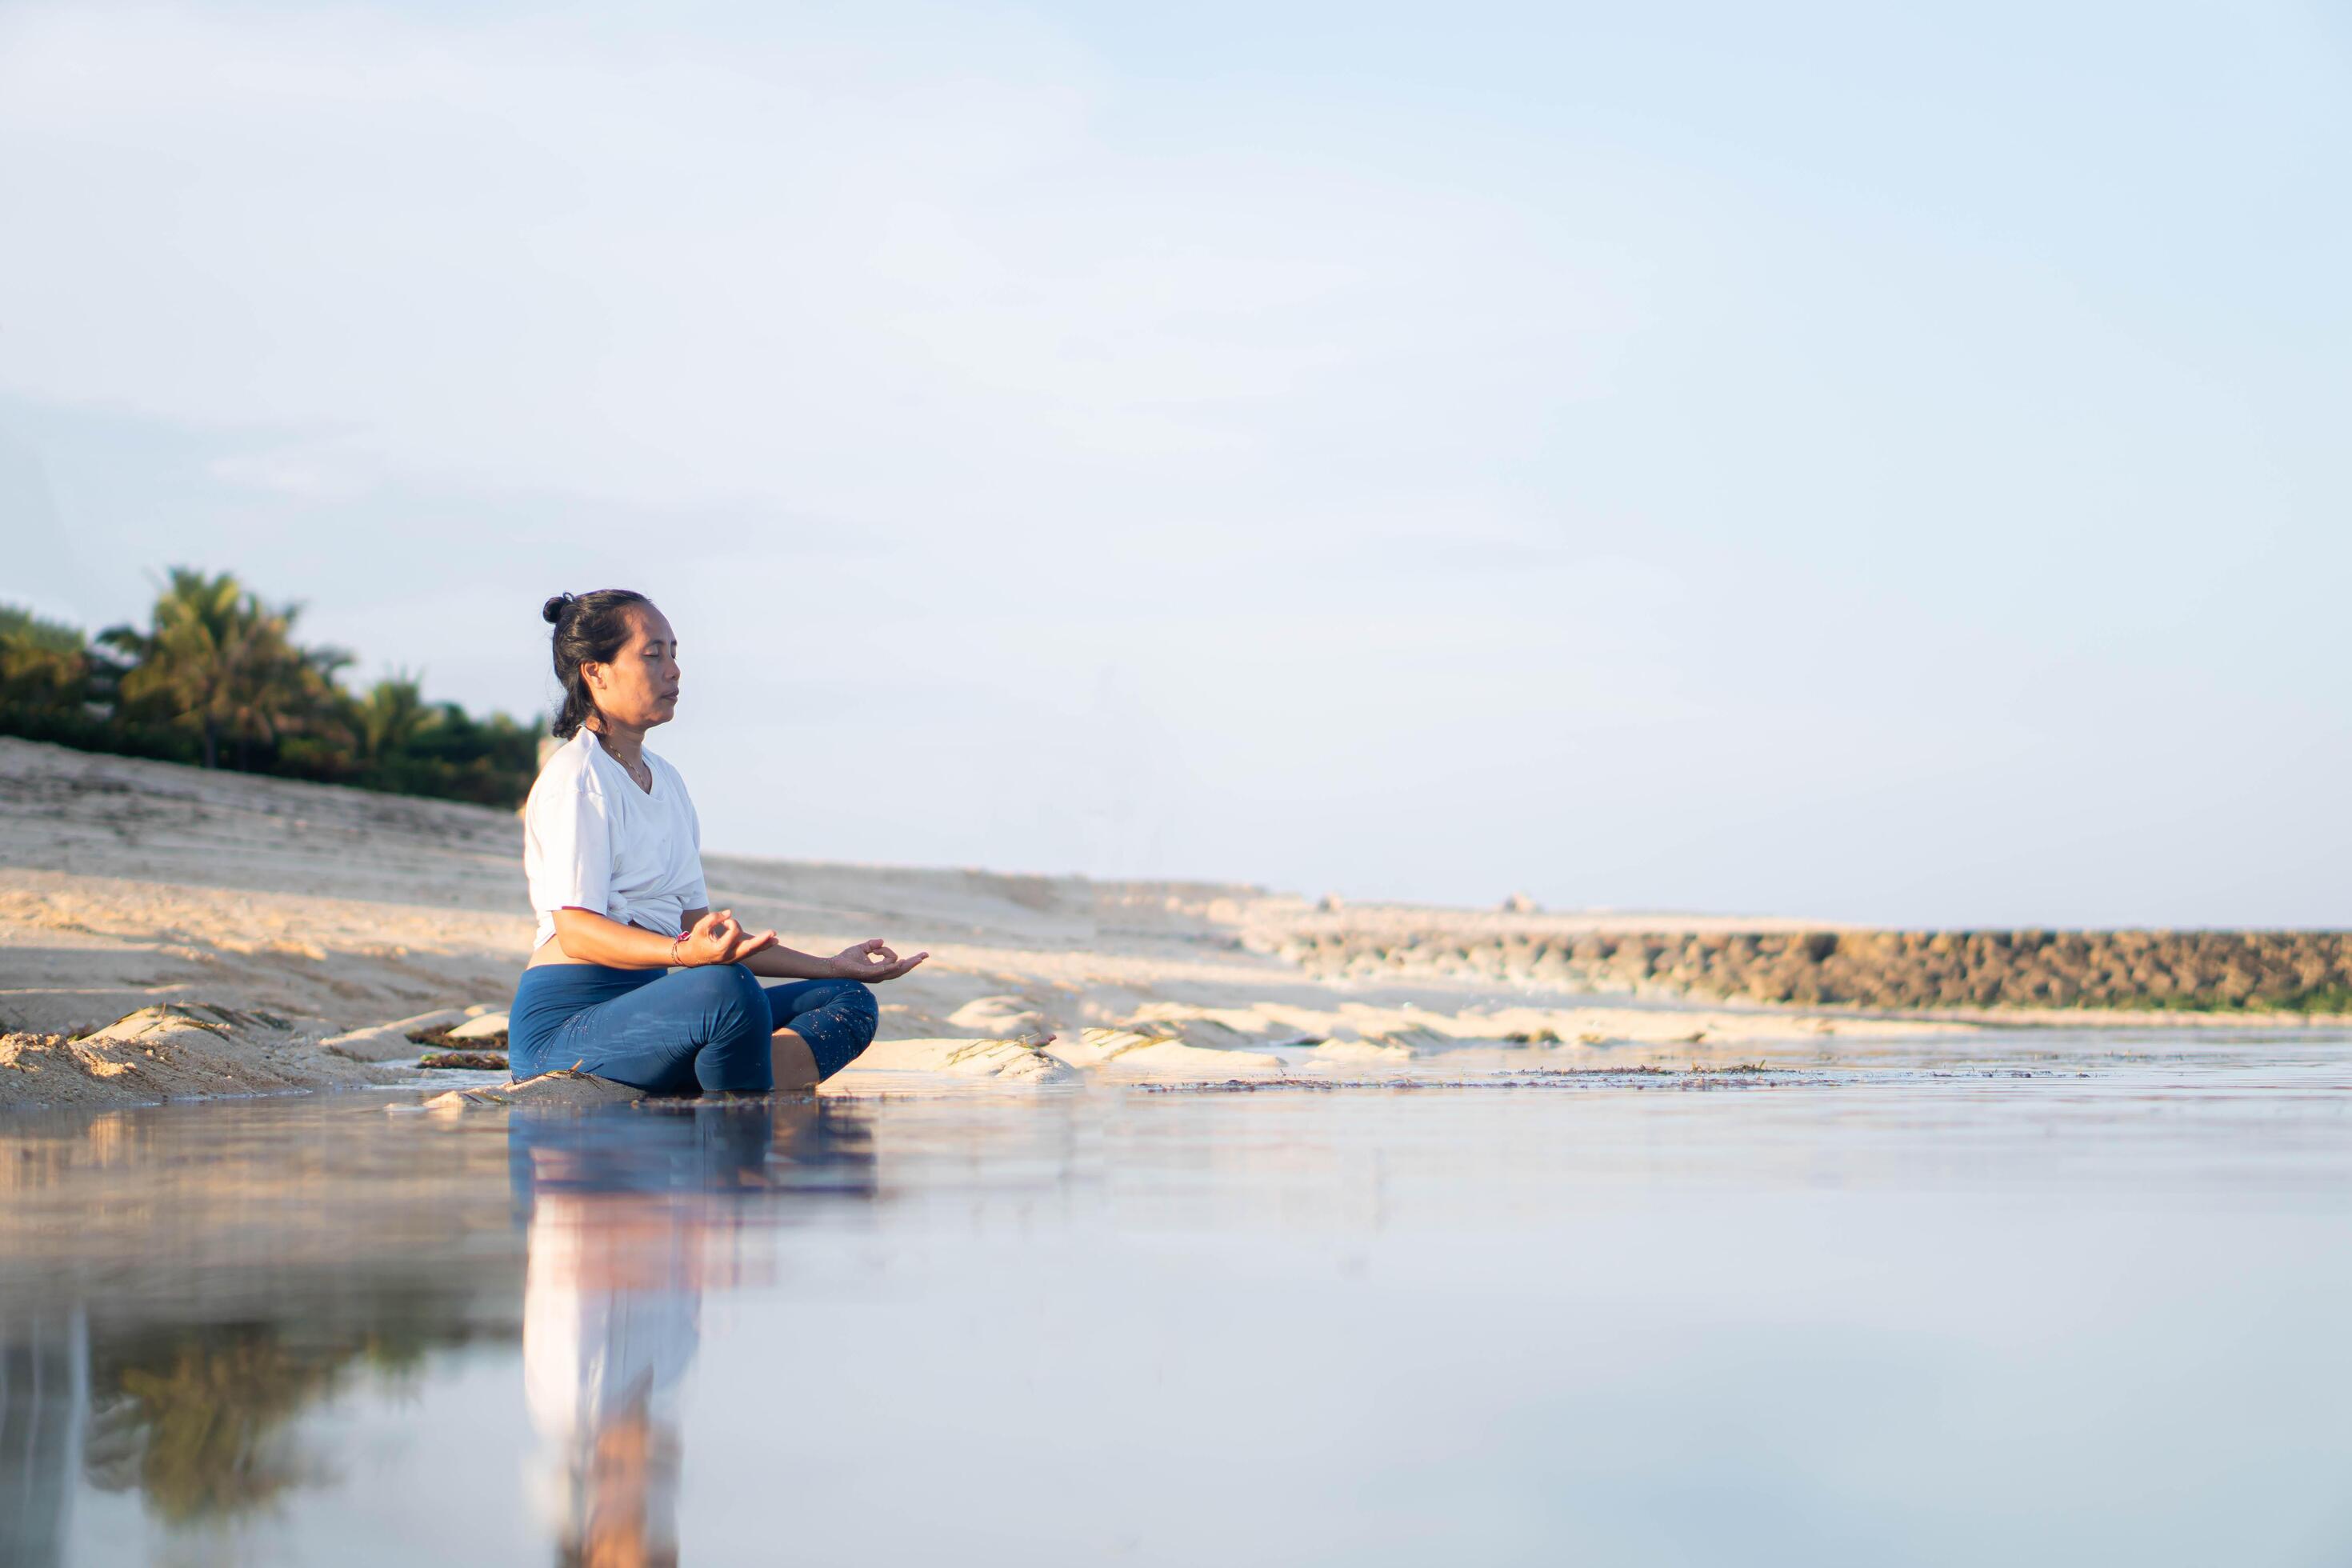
point(2018, 1297)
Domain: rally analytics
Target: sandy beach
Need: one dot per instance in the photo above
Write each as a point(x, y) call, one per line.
point(315, 914)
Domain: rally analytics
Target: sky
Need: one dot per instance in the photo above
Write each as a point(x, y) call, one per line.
point(1855, 461)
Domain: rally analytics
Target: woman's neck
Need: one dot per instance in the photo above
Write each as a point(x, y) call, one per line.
point(623, 745)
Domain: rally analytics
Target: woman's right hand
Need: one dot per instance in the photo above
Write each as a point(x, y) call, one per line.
point(719, 938)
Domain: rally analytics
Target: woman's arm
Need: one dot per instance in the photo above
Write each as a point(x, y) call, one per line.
point(715, 937)
point(710, 937)
point(776, 961)
point(780, 962)
point(870, 961)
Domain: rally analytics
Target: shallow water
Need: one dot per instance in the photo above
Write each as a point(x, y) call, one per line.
point(2018, 1296)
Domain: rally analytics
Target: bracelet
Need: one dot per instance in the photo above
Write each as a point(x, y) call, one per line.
point(674, 962)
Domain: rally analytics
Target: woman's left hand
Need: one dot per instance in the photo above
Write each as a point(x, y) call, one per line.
point(873, 961)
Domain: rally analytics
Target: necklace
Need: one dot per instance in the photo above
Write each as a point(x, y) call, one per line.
point(639, 774)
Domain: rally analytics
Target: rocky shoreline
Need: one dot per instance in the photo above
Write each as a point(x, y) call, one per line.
point(2197, 971)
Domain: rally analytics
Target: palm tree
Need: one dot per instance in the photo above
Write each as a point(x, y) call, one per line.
point(218, 658)
point(392, 715)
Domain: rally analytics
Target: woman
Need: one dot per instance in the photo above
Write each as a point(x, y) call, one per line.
point(632, 976)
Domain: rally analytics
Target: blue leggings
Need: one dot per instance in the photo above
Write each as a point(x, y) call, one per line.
point(671, 1030)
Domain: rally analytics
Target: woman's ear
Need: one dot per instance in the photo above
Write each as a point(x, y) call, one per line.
point(593, 672)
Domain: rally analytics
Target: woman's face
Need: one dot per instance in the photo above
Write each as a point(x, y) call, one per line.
point(639, 687)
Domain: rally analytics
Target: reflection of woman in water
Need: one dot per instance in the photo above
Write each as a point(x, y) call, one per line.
point(631, 1218)
point(633, 976)
point(611, 1319)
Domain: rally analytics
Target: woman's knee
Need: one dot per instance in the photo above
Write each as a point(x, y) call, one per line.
point(859, 1010)
point(860, 1015)
point(839, 1026)
point(727, 995)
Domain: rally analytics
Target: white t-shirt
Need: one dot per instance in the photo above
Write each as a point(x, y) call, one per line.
point(592, 840)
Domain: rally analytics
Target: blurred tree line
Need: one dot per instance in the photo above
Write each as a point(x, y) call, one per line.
point(216, 677)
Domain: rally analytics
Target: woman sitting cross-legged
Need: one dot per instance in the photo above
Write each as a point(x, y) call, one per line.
point(632, 976)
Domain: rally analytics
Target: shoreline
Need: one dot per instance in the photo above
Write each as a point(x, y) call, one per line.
point(127, 885)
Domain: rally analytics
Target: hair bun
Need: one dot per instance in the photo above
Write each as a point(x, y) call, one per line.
point(552, 610)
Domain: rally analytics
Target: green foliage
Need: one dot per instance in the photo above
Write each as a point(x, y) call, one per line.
point(442, 750)
point(46, 668)
point(2329, 998)
point(219, 661)
point(390, 716)
point(218, 677)
point(55, 686)
point(38, 658)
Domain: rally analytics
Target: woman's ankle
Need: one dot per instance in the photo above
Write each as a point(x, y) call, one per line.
point(793, 1063)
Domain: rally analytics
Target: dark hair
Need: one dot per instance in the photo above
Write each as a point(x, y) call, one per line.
point(589, 629)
